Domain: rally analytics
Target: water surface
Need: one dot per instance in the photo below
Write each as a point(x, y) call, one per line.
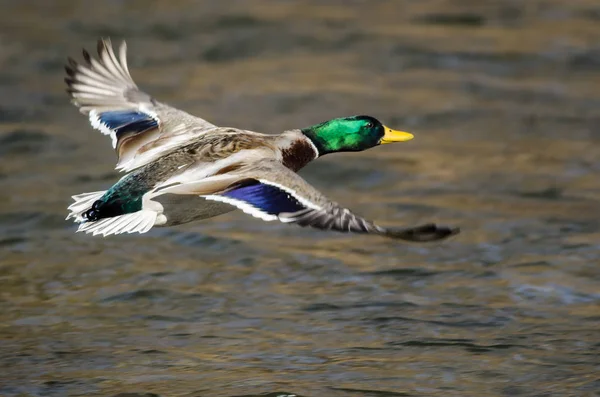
point(504, 101)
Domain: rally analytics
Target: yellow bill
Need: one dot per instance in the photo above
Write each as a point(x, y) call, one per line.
point(392, 136)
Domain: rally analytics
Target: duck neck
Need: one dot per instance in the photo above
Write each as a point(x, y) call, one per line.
point(296, 150)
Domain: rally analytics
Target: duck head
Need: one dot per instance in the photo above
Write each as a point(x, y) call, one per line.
point(352, 134)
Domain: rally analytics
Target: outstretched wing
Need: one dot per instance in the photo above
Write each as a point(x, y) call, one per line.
point(270, 191)
point(141, 128)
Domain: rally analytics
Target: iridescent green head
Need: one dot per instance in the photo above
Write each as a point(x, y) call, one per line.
point(352, 134)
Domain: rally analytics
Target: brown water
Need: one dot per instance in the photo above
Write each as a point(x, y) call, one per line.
point(504, 100)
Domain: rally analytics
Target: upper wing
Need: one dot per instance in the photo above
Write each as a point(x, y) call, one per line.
point(270, 191)
point(141, 128)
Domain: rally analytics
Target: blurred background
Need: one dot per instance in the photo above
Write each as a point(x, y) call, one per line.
point(504, 100)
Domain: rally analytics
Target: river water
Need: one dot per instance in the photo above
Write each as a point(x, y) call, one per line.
point(504, 100)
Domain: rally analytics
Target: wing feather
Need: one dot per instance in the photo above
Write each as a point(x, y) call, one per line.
point(269, 191)
point(103, 89)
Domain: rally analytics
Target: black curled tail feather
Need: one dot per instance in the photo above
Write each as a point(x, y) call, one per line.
point(83, 203)
point(93, 213)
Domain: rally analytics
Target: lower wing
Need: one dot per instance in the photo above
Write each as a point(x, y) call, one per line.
point(271, 192)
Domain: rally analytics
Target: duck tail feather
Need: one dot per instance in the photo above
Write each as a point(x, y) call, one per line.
point(137, 222)
point(83, 202)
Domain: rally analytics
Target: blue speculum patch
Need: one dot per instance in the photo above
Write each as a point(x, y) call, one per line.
point(127, 121)
point(267, 198)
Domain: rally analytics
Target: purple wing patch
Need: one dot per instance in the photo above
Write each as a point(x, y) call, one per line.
point(267, 198)
point(127, 121)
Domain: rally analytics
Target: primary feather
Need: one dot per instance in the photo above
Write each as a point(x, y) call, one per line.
point(141, 128)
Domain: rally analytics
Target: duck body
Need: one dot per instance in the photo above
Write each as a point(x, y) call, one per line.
point(221, 152)
point(181, 168)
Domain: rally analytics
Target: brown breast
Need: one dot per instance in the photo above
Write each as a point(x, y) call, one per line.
point(298, 154)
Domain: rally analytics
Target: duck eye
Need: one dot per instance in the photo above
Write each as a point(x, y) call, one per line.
point(369, 125)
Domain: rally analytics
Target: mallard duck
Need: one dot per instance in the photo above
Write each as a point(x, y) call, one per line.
point(180, 168)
